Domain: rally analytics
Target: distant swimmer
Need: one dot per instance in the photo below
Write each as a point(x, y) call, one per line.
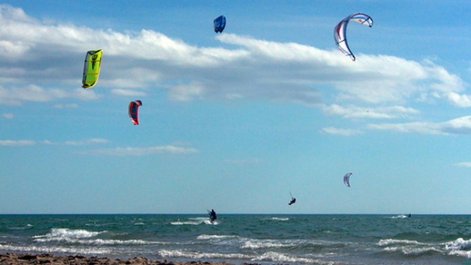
point(212, 216)
point(293, 199)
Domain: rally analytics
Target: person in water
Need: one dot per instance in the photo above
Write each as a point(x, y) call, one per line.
point(212, 215)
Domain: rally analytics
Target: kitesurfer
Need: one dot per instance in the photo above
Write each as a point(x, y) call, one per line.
point(212, 216)
point(293, 200)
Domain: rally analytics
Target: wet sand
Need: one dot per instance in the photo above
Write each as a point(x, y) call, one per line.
point(21, 259)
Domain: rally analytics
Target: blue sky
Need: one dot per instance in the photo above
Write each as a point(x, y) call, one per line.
point(235, 121)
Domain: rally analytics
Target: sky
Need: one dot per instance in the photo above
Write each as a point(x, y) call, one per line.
point(235, 121)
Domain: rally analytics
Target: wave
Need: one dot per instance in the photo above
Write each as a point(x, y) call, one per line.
point(195, 221)
point(99, 242)
point(27, 226)
point(209, 237)
point(270, 244)
point(401, 216)
point(201, 255)
point(268, 256)
point(390, 241)
point(280, 257)
point(84, 237)
point(459, 247)
point(58, 234)
point(414, 251)
point(283, 219)
point(266, 243)
point(50, 249)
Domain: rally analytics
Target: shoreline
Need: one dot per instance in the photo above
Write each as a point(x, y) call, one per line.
point(12, 258)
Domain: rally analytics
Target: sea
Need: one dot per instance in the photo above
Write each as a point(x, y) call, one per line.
point(246, 238)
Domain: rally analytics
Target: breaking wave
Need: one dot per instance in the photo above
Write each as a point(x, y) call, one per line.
point(52, 249)
point(85, 237)
point(458, 247)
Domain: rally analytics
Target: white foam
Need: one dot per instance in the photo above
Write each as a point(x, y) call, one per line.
point(409, 250)
point(283, 219)
point(186, 223)
point(266, 243)
point(80, 236)
point(44, 249)
point(58, 234)
point(209, 237)
point(279, 257)
point(401, 216)
point(390, 241)
point(199, 255)
point(98, 242)
point(459, 247)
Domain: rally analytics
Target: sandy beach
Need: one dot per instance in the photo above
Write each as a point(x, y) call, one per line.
point(17, 259)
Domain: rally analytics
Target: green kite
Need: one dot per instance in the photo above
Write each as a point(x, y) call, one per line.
point(91, 68)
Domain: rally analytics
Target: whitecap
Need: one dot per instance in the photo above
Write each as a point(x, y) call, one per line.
point(283, 219)
point(265, 243)
point(58, 234)
point(209, 237)
point(200, 255)
point(459, 247)
point(390, 241)
point(280, 257)
point(401, 216)
point(409, 250)
point(186, 223)
point(44, 249)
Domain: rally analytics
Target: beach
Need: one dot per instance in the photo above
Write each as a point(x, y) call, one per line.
point(23, 259)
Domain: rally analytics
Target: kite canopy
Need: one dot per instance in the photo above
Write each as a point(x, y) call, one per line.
point(91, 68)
point(219, 24)
point(346, 179)
point(134, 111)
point(340, 31)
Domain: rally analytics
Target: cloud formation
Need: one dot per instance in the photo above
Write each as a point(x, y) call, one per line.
point(460, 125)
point(41, 62)
point(17, 142)
point(141, 151)
point(92, 141)
point(340, 131)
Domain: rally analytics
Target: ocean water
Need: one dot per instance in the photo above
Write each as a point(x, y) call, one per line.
point(264, 239)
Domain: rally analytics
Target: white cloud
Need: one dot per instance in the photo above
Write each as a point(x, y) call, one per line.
point(463, 164)
point(39, 60)
point(141, 151)
point(92, 141)
point(17, 142)
point(33, 93)
point(340, 131)
point(353, 112)
point(460, 125)
point(46, 53)
point(459, 100)
point(8, 116)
